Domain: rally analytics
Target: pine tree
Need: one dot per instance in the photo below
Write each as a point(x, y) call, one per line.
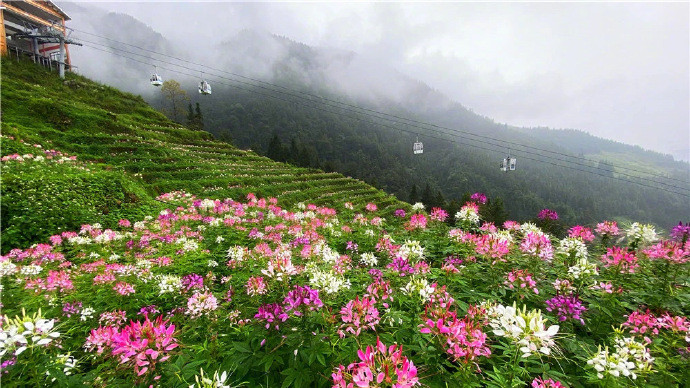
point(414, 197)
point(427, 196)
point(198, 118)
point(275, 149)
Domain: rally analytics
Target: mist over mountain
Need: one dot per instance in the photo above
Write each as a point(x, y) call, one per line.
point(354, 142)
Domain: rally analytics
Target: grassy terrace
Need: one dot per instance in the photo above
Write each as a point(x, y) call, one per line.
point(118, 133)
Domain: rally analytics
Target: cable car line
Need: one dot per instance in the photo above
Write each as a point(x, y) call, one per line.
point(684, 193)
point(377, 112)
point(385, 118)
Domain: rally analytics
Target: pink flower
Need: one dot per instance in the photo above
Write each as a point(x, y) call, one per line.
point(548, 383)
point(378, 364)
point(438, 214)
point(417, 221)
point(479, 197)
point(582, 232)
point(548, 214)
point(256, 286)
point(671, 251)
point(538, 245)
point(521, 279)
point(567, 307)
point(123, 288)
point(358, 315)
point(620, 258)
point(371, 207)
point(607, 228)
point(271, 313)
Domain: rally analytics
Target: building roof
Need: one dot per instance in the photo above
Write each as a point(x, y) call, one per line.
point(56, 8)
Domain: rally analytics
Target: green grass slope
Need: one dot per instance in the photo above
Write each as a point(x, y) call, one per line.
point(134, 154)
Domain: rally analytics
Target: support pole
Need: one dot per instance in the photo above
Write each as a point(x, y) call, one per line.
point(3, 38)
point(61, 65)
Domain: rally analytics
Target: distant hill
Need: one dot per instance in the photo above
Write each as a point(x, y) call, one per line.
point(134, 153)
point(379, 152)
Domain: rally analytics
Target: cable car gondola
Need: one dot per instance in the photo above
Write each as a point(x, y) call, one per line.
point(418, 147)
point(508, 164)
point(204, 87)
point(156, 80)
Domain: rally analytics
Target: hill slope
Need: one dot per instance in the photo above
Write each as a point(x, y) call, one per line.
point(119, 133)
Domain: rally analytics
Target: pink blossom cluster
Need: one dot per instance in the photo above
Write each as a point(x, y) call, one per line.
point(646, 323)
point(492, 246)
point(620, 258)
point(417, 221)
point(609, 228)
point(452, 264)
point(546, 383)
point(357, 315)
point(401, 266)
point(547, 214)
point(567, 307)
point(438, 214)
point(681, 232)
point(377, 365)
point(371, 207)
point(463, 339)
point(124, 288)
point(201, 303)
point(139, 345)
point(582, 232)
point(256, 286)
point(400, 213)
point(521, 279)
point(538, 245)
point(55, 281)
point(671, 251)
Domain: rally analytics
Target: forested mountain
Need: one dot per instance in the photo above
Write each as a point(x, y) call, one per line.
point(583, 177)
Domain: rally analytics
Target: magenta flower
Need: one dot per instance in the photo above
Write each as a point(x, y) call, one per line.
point(681, 232)
point(438, 214)
point(479, 197)
point(547, 214)
point(521, 279)
point(271, 313)
point(567, 307)
point(400, 213)
point(302, 298)
point(417, 221)
point(621, 258)
point(548, 383)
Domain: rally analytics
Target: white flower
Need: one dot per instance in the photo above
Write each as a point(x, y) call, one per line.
point(642, 233)
point(204, 381)
point(411, 250)
point(574, 246)
point(582, 268)
point(418, 286)
point(7, 268)
point(87, 313)
point(368, 259)
point(236, 253)
point(212, 263)
point(328, 282)
point(31, 270)
point(220, 239)
point(169, 284)
point(527, 329)
point(629, 358)
point(418, 207)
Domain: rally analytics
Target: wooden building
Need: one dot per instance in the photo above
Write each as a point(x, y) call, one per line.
point(33, 27)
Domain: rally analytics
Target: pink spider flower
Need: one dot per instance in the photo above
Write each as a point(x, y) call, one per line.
point(271, 313)
point(582, 232)
point(124, 288)
point(492, 246)
point(417, 221)
point(521, 279)
point(144, 344)
point(256, 286)
point(547, 214)
point(378, 365)
point(567, 307)
point(371, 207)
point(302, 298)
point(671, 251)
point(620, 258)
point(548, 383)
point(479, 197)
point(357, 315)
point(609, 228)
point(438, 214)
point(537, 245)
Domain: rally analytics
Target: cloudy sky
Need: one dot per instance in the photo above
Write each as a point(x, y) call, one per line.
point(616, 70)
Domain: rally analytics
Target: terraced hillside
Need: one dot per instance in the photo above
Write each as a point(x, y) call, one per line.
point(119, 132)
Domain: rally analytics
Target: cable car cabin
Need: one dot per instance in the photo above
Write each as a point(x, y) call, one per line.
point(156, 80)
point(204, 87)
point(418, 148)
point(508, 164)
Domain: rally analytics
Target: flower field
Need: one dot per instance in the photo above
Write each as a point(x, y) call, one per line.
point(125, 262)
point(229, 292)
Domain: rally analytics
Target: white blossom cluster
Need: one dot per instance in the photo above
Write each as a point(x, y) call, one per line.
point(418, 286)
point(572, 246)
point(644, 234)
point(31, 270)
point(418, 207)
point(468, 214)
point(188, 245)
point(205, 381)
point(169, 284)
point(7, 268)
point(529, 227)
point(19, 334)
point(411, 250)
point(582, 269)
point(327, 282)
point(368, 259)
point(236, 253)
point(86, 313)
point(629, 358)
point(527, 329)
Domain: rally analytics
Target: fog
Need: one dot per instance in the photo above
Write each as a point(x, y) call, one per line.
point(615, 70)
